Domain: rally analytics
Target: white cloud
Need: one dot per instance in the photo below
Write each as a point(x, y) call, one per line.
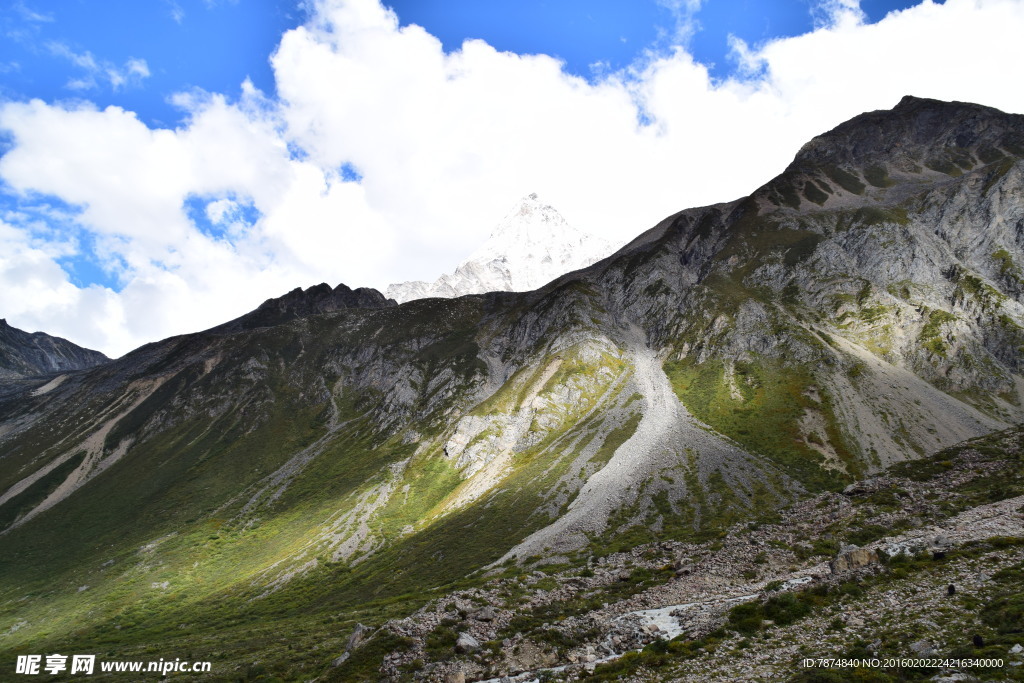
point(837, 13)
point(444, 143)
point(35, 293)
point(29, 14)
point(177, 13)
point(131, 73)
point(683, 14)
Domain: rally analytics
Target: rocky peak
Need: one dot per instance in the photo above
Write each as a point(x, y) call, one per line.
point(532, 245)
point(918, 130)
point(530, 218)
point(883, 156)
point(24, 354)
point(300, 303)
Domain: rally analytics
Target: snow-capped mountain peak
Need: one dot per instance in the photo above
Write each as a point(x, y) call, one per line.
point(532, 245)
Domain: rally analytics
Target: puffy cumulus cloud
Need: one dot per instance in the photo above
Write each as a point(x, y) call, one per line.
point(36, 293)
point(251, 197)
point(444, 139)
point(131, 186)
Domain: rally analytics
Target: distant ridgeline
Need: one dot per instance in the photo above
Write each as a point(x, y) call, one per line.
point(23, 354)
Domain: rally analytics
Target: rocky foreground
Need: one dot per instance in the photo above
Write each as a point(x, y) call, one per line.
point(925, 562)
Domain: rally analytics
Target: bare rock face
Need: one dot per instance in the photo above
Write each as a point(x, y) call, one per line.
point(853, 558)
point(24, 354)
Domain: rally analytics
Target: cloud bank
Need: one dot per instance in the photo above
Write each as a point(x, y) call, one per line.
point(382, 158)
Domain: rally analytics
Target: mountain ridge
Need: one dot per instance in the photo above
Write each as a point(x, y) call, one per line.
point(24, 354)
point(724, 364)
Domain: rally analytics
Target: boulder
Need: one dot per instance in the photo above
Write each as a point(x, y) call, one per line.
point(683, 568)
point(466, 643)
point(357, 638)
point(486, 613)
point(852, 558)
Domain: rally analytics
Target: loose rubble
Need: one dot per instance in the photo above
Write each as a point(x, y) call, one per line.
point(566, 620)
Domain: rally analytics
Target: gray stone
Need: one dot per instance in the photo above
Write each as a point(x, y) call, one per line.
point(484, 614)
point(852, 557)
point(357, 638)
point(466, 643)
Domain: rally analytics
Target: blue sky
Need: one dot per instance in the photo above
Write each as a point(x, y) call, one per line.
point(167, 165)
point(48, 47)
point(63, 49)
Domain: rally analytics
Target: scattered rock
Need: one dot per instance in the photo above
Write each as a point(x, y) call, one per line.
point(466, 643)
point(852, 557)
point(683, 568)
point(486, 613)
point(357, 638)
point(922, 647)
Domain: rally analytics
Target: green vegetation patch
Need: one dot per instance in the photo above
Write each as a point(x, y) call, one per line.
point(878, 176)
point(846, 180)
point(766, 418)
point(363, 663)
point(615, 438)
point(931, 334)
point(814, 193)
point(35, 494)
point(1007, 267)
point(657, 655)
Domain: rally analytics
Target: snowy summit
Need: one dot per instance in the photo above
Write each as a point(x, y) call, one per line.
point(531, 246)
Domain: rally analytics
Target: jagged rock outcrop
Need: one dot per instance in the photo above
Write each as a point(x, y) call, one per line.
point(24, 354)
point(300, 303)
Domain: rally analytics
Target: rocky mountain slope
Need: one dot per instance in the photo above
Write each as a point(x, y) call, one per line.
point(532, 245)
point(254, 491)
point(24, 354)
point(759, 602)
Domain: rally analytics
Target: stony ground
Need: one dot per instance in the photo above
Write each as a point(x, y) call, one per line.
point(862, 573)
